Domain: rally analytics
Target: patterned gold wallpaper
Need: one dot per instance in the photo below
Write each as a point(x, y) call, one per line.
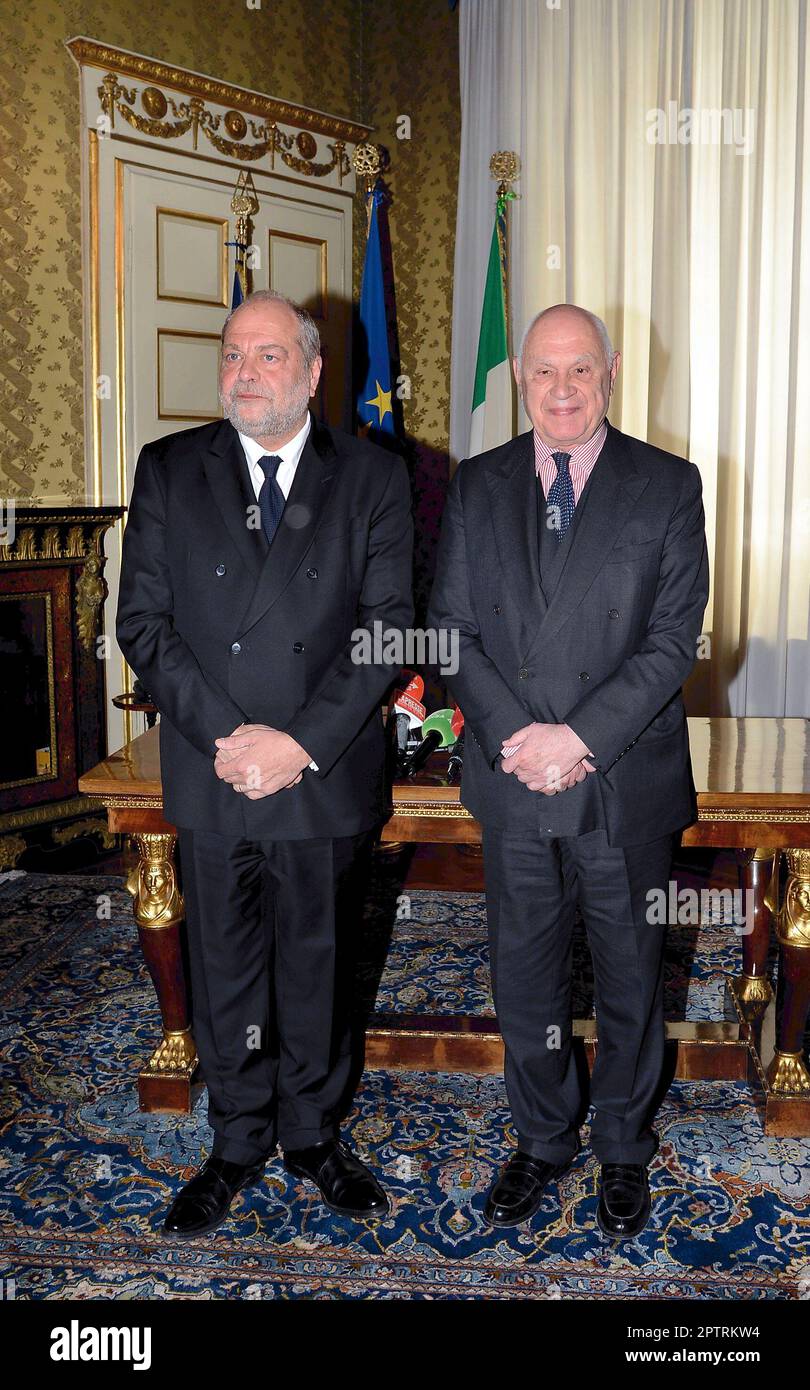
point(410, 70)
point(308, 51)
point(362, 59)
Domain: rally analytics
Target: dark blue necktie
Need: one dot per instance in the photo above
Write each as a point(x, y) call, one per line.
point(561, 494)
point(271, 498)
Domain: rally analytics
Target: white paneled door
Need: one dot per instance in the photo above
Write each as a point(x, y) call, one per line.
point(163, 151)
point(178, 286)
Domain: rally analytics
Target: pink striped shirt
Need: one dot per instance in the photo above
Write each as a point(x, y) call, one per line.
point(580, 464)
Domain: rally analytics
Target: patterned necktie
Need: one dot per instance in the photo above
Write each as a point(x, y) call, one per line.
point(561, 494)
point(271, 498)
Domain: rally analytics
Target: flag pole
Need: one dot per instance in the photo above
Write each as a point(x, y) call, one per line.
point(505, 167)
point(244, 206)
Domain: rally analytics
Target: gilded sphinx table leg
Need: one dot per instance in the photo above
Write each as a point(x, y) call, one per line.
point(787, 1074)
point(759, 876)
point(165, 1082)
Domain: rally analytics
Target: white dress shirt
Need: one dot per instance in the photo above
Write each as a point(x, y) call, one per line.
point(290, 455)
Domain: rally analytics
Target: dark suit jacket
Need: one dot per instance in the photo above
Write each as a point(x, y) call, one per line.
point(223, 629)
point(607, 655)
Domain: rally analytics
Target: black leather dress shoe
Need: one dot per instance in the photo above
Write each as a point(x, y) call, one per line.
point(346, 1185)
point(204, 1202)
point(518, 1192)
point(624, 1199)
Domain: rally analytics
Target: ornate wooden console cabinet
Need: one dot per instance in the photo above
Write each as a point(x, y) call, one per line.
point(52, 678)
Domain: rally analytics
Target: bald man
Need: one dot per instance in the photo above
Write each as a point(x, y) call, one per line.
point(573, 568)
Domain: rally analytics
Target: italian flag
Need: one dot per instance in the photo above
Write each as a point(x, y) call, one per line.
point(492, 420)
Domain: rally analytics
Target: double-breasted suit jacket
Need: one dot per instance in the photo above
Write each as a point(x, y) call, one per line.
point(602, 641)
point(224, 629)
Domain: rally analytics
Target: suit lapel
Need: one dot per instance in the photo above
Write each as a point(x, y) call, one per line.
point(513, 487)
point(615, 487)
point(317, 468)
point(225, 470)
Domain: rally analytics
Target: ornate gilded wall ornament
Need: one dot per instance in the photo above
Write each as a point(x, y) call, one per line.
point(194, 116)
point(306, 144)
point(154, 102)
point(160, 75)
point(235, 124)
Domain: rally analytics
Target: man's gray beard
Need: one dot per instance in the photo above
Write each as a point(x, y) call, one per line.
point(276, 420)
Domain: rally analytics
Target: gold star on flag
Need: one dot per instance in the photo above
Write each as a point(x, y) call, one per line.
point(382, 400)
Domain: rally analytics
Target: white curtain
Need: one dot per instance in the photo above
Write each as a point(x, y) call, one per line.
point(665, 184)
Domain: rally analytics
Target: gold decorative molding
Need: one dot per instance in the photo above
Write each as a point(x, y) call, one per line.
point(431, 809)
point(455, 811)
point(153, 882)
point(119, 62)
point(788, 815)
point(787, 1074)
point(11, 847)
point(131, 803)
point(91, 591)
point(42, 536)
point(176, 1055)
point(793, 924)
point(95, 313)
point(752, 990)
point(54, 810)
point(194, 117)
point(62, 835)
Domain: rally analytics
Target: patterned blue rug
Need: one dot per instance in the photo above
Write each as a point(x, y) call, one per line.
point(432, 950)
point(87, 1177)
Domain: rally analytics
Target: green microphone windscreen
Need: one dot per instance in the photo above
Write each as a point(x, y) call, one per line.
point(441, 721)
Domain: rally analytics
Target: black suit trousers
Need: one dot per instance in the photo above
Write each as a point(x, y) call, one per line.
point(533, 885)
point(272, 932)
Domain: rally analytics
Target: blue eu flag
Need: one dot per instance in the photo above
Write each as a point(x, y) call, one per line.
point(238, 292)
point(237, 296)
point(374, 397)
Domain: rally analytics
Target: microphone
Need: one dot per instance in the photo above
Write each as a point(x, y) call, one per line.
point(455, 762)
point(437, 732)
point(406, 715)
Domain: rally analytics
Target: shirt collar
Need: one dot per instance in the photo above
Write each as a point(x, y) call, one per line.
point(582, 453)
point(288, 453)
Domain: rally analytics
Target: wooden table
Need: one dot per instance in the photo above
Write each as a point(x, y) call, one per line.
point(753, 781)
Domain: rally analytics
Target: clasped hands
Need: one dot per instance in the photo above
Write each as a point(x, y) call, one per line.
point(258, 760)
point(547, 758)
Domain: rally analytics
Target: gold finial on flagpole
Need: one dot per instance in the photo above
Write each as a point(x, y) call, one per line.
point(368, 162)
point(244, 204)
point(504, 166)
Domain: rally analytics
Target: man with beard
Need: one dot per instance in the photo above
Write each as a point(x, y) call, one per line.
point(254, 549)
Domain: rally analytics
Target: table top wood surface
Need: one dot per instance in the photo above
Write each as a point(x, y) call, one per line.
point(737, 763)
